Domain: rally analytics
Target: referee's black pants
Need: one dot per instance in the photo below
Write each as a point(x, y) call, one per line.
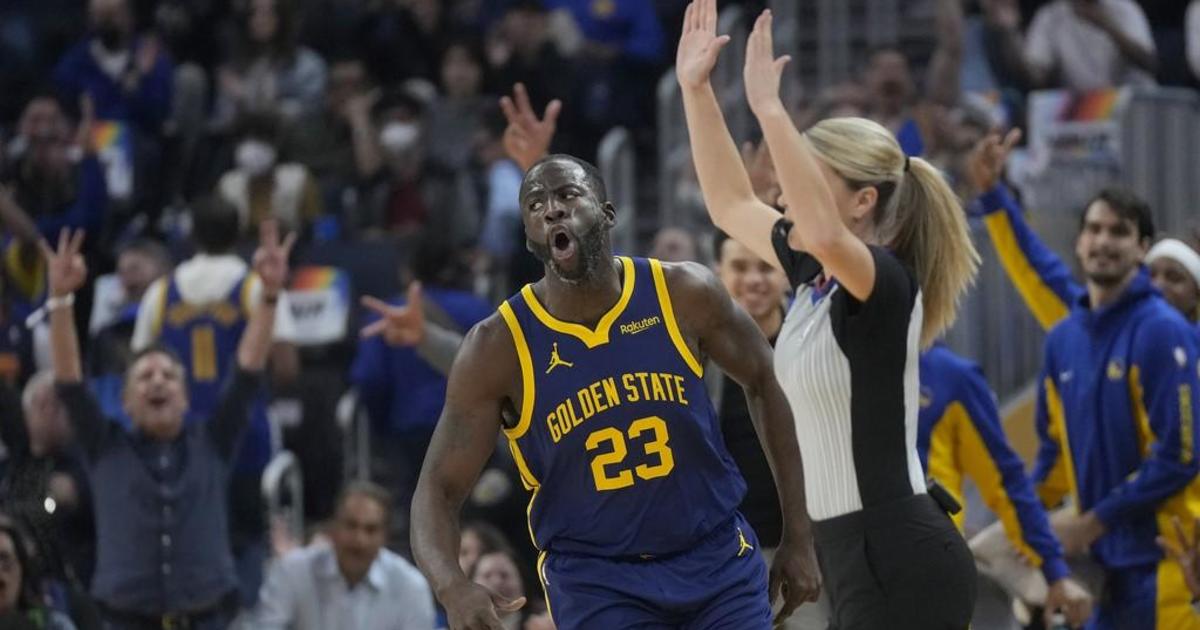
point(898, 566)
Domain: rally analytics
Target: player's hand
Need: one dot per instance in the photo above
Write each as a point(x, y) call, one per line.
point(794, 575)
point(1186, 551)
point(1071, 599)
point(399, 325)
point(527, 139)
point(271, 257)
point(699, 44)
point(473, 607)
point(763, 71)
point(987, 160)
point(65, 269)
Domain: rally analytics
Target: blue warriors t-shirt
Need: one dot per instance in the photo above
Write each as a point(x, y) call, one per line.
point(206, 337)
point(616, 436)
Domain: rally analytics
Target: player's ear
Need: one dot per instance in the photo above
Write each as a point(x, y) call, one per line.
point(610, 213)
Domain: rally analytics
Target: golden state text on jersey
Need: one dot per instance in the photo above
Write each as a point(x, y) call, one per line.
point(616, 437)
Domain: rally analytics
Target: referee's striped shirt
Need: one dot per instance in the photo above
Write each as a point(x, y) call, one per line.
point(849, 370)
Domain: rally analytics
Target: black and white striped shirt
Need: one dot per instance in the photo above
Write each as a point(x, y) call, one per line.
point(849, 370)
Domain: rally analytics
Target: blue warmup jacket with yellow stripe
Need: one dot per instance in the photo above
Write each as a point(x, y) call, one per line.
point(1115, 417)
point(959, 435)
point(1044, 281)
point(1117, 389)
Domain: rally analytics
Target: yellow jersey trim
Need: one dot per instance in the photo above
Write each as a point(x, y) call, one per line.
point(980, 466)
point(247, 307)
point(527, 383)
point(28, 280)
point(529, 481)
point(944, 462)
point(590, 337)
point(1141, 417)
point(1047, 308)
point(664, 303)
point(161, 311)
point(1065, 466)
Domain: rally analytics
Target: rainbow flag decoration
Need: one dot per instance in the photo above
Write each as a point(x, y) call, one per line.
point(108, 135)
point(1088, 106)
point(320, 278)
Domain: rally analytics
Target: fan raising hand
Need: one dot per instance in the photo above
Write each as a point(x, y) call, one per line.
point(699, 44)
point(65, 268)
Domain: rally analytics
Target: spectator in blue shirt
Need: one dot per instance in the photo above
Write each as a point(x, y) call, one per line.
point(402, 378)
point(619, 64)
point(616, 28)
point(127, 76)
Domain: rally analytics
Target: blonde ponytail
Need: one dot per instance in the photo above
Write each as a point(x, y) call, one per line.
point(917, 214)
point(932, 236)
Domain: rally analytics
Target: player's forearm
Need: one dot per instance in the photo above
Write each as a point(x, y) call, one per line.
point(777, 432)
point(435, 538)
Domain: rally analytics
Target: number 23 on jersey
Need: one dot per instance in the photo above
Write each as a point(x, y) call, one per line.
point(611, 444)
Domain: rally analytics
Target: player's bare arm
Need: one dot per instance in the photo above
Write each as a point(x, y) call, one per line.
point(715, 326)
point(482, 386)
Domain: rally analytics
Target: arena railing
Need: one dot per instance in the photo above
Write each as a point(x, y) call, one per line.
point(355, 424)
point(617, 162)
point(283, 492)
point(673, 147)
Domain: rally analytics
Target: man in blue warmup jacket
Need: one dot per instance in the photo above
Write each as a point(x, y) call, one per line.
point(1115, 410)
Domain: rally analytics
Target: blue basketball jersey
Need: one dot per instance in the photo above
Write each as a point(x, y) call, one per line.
point(206, 338)
point(616, 436)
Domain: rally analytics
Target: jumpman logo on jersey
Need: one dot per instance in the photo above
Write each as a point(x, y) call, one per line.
point(556, 360)
point(743, 545)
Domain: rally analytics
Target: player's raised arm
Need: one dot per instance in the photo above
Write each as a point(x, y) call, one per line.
point(480, 380)
point(728, 335)
point(728, 193)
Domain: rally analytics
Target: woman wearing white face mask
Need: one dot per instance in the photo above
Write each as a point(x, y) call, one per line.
point(412, 192)
point(259, 186)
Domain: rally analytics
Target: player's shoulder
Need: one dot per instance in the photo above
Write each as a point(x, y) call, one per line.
point(489, 333)
point(689, 280)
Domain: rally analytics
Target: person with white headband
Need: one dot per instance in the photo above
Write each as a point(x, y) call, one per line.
point(1175, 270)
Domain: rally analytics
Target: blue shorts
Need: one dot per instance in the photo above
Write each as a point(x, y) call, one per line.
point(721, 583)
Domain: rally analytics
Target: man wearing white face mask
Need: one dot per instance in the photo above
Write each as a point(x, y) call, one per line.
point(411, 193)
point(261, 187)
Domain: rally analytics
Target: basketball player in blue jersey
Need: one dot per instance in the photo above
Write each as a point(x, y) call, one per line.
point(594, 376)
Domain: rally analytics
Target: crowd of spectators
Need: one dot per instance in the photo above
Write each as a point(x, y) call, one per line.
point(168, 131)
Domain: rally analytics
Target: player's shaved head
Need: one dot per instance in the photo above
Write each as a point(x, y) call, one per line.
point(593, 180)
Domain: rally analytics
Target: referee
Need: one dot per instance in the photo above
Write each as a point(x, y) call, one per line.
point(877, 249)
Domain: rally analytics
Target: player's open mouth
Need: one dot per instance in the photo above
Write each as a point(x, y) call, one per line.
point(562, 246)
